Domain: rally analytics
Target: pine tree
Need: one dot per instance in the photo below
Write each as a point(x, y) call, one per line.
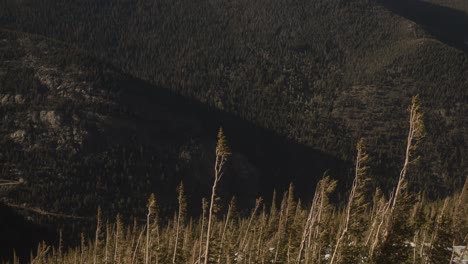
point(227, 221)
point(222, 153)
point(398, 230)
point(442, 238)
point(243, 243)
point(421, 228)
point(355, 222)
point(396, 248)
point(285, 218)
point(316, 234)
point(180, 218)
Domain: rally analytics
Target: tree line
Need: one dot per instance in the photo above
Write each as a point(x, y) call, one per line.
point(371, 227)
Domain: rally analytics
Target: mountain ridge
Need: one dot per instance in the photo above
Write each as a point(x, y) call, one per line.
point(105, 102)
point(289, 66)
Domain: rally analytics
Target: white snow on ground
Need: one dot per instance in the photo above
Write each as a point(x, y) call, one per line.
point(458, 258)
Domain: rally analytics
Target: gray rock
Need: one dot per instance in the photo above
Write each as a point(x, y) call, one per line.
point(19, 99)
point(51, 118)
point(18, 135)
point(5, 99)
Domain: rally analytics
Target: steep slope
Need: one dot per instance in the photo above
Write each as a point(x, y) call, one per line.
point(76, 134)
point(322, 73)
point(80, 134)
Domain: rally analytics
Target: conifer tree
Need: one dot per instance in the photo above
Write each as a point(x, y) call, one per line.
point(442, 238)
point(421, 229)
point(396, 248)
point(415, 134)
point(379, 216)
point(243, 245)
point(231, 208)
point(355, 222)
point(315, 232)
point(398, 230)
point(151, 212)
point(222, 153)
point(285, 221)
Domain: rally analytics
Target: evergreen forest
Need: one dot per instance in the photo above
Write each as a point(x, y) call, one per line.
point(234, 131)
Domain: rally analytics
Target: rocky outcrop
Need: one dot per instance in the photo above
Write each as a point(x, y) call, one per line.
point(50, 118)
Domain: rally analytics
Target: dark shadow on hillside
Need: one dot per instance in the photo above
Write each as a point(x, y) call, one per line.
point(277, 160)
point(446, 24)
point(280, 161)
point(19, 234)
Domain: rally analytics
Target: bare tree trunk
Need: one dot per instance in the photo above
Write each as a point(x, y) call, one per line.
point(280, 225)
point(137, 244)
point(96, 239)
point(210, 211)
point(257, 205)
point(179, 217)
point(108, 239)
point(204, 205)
point(308, 226)
point(151, 211)
point(383, 218)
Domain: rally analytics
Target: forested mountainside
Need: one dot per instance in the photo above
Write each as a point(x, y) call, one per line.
point(77, 134)
point(322, 73)
point(104, 102)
